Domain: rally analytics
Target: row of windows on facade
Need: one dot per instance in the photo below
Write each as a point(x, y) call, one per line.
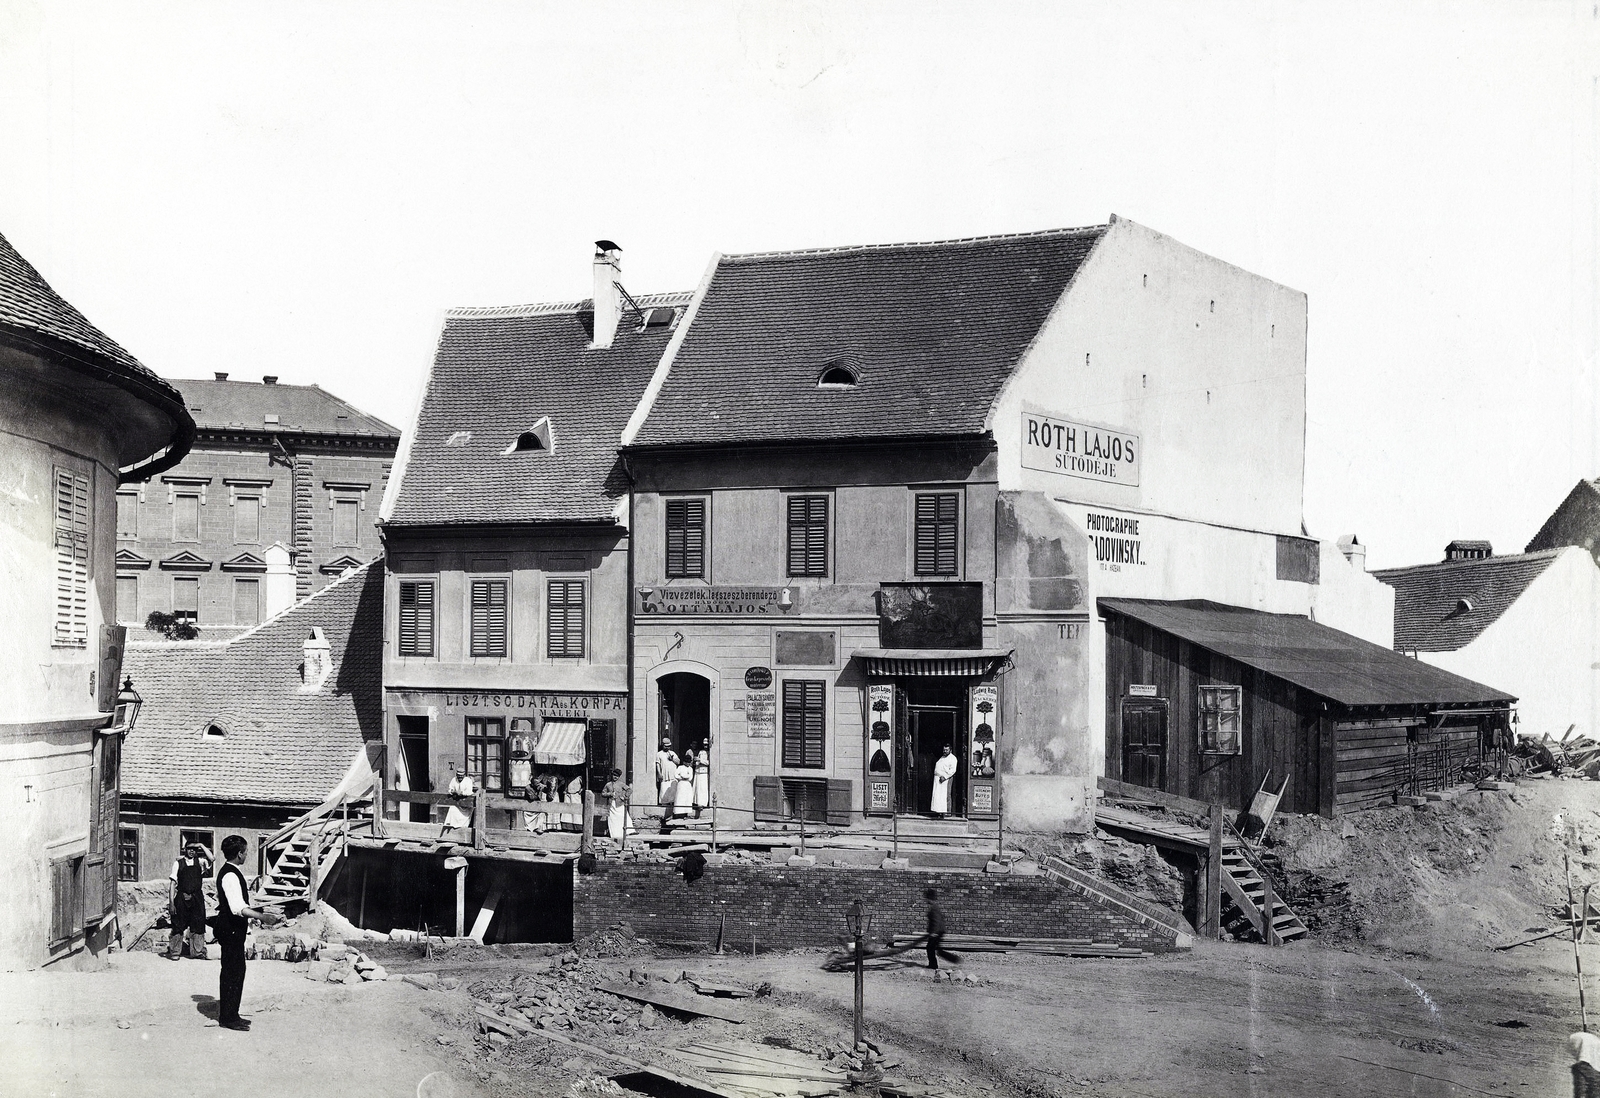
point(128, 865)
point(489, 618)
point(936, 535)
point(247, 509)
point(186, 600)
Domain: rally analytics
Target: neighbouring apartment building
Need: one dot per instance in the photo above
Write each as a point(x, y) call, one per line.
point(279, 495)
point(79, 417)
point(506, 541)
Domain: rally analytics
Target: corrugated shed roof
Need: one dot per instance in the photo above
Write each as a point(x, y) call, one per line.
point(497, 372)
point(300, 408)
point(1335, 665)
point(281, 745)
point(932, 330)
point(1443, 607)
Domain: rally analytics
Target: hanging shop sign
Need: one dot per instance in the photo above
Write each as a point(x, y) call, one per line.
point(758, 678)
point(543, 703)
point(880, 747)
point(1090, 451)
point(717, 601)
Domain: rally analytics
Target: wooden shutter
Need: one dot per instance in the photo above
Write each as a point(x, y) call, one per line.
point(937, 533)
point(488, 617)
point(72, 559)
point(416, 619)
point(686, 538)
point(66, 898)
point(804, 727)
point(808, 535)
point(768, 792)
point(566, 625)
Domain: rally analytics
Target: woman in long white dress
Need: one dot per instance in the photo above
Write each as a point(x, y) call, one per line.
point(944, 773)
point(666, 773)
point(683, 790)
point(702, 780)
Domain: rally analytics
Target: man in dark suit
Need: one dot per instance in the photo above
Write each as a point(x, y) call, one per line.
point(233, 922)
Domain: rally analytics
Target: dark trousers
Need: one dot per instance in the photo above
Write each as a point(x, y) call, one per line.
point(188, 917)
point(231, 987)
point(934, 942)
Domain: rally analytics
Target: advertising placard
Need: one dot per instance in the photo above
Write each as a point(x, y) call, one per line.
point(1074, 448)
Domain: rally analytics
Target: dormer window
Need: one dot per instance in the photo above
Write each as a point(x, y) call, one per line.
point(541, 437)
point(214, 730)
point(657, 319)
point(841, 373)
point(529, 440)
point(458, 438)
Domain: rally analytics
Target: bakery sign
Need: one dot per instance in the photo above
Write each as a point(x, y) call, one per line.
point(540, 702)
point(746, 602)
point(1074, 448)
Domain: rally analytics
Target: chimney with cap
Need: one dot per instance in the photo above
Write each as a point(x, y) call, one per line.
point(1468, 550)
point(607, 293)
point(1354, 552)
point(270, 379)
point(222, 375)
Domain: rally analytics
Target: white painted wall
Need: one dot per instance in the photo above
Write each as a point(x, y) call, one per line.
point(1545, 649)
point(1352, 600)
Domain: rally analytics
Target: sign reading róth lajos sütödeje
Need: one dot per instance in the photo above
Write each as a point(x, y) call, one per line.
point(1053, 444)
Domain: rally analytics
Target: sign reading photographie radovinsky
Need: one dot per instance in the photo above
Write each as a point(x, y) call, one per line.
point(1092, 451)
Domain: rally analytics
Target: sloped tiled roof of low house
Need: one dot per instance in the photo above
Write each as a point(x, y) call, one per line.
point(931, 331)
point(1443, 607)
point(497, 372)
point(280, 745)
point(1576, 521)
point(220, 405)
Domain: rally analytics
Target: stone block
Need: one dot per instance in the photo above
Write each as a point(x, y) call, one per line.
point(1439, 795)
point(996, 867)
point(376, 972)
point(896, 863)
point(319, 970)
point(427, 981)
point(333, 952)
point(802, 861)
point(1025, 868)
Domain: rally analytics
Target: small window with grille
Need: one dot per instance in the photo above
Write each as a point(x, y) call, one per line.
point(1219, 720)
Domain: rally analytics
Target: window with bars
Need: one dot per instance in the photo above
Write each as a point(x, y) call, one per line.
point(247, 519)
point(1219, 720)
point(416, 618)
point(127, 853)
point(66, 898)
point(186, 516)
point(808, 535)
point(127, 515)
point(804, 724)
point(486, 743)
point(488, 617)
point(566, 613)
point(686, 538)
point(72, 559)
point(938, 533)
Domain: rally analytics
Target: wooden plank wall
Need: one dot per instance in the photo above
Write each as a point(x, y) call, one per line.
point(1373, 762)
point(1282, 729)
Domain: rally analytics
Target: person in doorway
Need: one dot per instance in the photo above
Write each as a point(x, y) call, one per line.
point(683, 788)
point(702, 780)
point(188, 902)
point(619, 821)
point(666, 772)
point(944, 773)
point(233, 922)
point(1584, 1049)
point(463, 787)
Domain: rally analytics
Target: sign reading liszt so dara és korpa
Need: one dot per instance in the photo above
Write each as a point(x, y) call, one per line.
point(1055, 444)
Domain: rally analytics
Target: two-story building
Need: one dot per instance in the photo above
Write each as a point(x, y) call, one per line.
point(506, 540)
point(279, 495)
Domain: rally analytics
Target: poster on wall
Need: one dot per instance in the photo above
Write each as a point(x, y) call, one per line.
point(984, 721)
point(761, 714)
point(1090, 451)
point(880, 746)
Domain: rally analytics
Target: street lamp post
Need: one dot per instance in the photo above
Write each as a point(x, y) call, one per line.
point(859, 922)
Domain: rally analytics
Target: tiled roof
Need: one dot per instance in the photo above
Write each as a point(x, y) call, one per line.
point(1324, 661)
point(498, 372)
point(1576, 521)
point(1428, 611)
point(281, 746)
point(219, 405)
point(28, 302)
point(933, 331)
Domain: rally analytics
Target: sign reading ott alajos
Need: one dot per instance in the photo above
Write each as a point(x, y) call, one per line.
point(1055, 444)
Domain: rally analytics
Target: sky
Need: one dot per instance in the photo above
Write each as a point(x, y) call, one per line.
point(300, 189)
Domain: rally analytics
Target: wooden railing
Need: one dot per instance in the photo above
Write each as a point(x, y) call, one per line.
point(477, 808)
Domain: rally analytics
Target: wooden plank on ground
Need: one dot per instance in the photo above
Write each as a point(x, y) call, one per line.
point(703, 1005)
point(637, 1065)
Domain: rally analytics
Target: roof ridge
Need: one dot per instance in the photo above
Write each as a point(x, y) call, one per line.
point(1498, 558)
point(480, 312)
point(1036, 234)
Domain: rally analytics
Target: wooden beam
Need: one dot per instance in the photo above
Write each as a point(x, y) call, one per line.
point(480, 925)
point(477, 822)
point(1153, 796)
point(1211, 919)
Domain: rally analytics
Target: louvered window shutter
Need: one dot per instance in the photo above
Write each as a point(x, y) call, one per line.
point(566, 618)
point(416, 619)
point(488, 617)
point(804, 725)
point(808, 535)
point(72, 558)
point(937, 533)
point(686, 538)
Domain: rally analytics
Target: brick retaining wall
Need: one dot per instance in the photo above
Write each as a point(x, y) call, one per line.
point(788, 907)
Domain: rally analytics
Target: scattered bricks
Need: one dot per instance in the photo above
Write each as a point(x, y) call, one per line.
point(502, 996)
point(449, 983)
point(319, 970)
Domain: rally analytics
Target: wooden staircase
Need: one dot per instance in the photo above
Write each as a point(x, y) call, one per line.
point(1245, 898)
point(308, 851)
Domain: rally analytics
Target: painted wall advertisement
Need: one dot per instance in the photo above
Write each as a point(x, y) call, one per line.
point(719, 601)
point(983, 717)
point(880, 747)
point(1092, 451)
point(1116, 540)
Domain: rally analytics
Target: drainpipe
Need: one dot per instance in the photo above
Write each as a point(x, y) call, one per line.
point(627, 768)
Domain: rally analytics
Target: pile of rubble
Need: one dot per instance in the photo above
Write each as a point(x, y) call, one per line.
point(330, 962)
point(1133, 867)
point(1570, 754)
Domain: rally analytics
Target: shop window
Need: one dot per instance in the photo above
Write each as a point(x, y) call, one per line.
point(566, 619)
point(72, 559)
point(1219, 720)
point(127, 515)
point(686, 538)
point(804, 724)
point(128, 598)
point(127, 853)
point(938, 536)
point(206, 839)
point(808, 535)
point(186, 516)
point(186, 598)
point(488, 617)
point(246, 601)
point(346, 523)
point(486, 744)
point(416, 618)
point(247, 519)
point(66, 898)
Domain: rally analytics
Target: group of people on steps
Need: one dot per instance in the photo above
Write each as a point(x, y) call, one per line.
point(683, 783)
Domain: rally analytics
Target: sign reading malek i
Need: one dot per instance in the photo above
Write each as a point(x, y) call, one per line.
point(1055, 444)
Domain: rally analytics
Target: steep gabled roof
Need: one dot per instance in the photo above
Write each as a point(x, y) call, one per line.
point(931, 331)
point(309, 409)
point(1575, 522)
point(1443, 607)
point(279, 745)
point(496, 374)
point(1322, 660)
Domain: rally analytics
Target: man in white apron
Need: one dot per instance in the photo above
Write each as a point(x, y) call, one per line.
point(666, 772)
point(944, 773)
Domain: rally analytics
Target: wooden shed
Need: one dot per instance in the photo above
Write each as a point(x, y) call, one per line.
point(1206, 700)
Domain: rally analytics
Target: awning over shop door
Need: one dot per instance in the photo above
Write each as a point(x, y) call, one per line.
point(958, 662)
point(560, 743)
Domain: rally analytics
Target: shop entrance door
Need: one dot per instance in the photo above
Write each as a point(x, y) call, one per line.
point(685, 717)
point(414, 757)
point(932, 729)
point(1144, 743)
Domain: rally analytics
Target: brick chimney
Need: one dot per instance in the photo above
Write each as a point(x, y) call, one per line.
point(1354, 551)
point(607, 294)
point(317, 664)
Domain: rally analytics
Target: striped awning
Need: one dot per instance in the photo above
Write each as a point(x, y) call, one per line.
point(560, 743)
point(954, 662)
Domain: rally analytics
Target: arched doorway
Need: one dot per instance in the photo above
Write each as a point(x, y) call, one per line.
point(684, 715)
